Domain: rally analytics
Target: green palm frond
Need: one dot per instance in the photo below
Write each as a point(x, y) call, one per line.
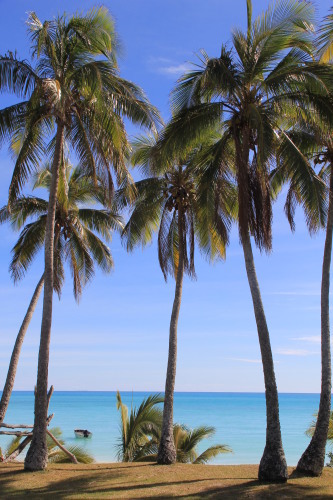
point(145, 215)
point(250, 97)
point(77, 228)
point(17, 77)
point(211, 453)
point(187, 440)
point(156, 207)
point(30, 242)
point(12, 445)
point(310, 431)
point(140, 429)
point(141, 433)
point(325, 38)
point(60, 457)
point(75, 75)
point(297, 151)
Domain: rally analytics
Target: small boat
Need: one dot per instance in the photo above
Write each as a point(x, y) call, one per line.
point(82, 433)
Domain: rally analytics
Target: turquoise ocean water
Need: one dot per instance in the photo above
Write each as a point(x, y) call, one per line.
point(239, 419)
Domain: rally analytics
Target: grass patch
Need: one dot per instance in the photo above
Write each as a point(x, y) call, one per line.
point(140, 480)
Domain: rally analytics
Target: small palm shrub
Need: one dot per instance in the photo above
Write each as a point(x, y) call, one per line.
point(141, 434)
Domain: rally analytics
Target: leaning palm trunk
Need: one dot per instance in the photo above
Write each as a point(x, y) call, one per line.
point(273, 466)
point(167, 452)
point(312, 460)
point(9, 384)
point(37, 455)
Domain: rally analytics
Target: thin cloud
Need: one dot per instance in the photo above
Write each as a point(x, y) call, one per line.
point(173, 70)
point(316, 339)
point(311, 338)
point(301, 293)
point(295, 352)
point(167, 66)
point(246, 360)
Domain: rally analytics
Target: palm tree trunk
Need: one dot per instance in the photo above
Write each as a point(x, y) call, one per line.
point(273, 466)
point(313, 459)
point(167, 451)
point(36, 458)
point(9, 384)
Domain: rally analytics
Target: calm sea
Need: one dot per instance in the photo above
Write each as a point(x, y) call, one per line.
point(239, 419)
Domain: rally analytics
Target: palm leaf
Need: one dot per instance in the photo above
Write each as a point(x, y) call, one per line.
point(211, 453)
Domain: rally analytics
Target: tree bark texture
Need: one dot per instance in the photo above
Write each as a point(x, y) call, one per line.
point(36, 458)
point(167, 451)
point(313, 459)
point(273, 466)
point(9, 384)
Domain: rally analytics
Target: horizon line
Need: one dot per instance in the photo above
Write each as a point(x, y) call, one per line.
point(176, 392)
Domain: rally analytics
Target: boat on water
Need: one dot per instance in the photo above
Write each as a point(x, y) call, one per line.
point(82, 433)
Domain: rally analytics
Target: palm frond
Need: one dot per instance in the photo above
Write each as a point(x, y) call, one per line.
point(325, 38)
point(211, 453)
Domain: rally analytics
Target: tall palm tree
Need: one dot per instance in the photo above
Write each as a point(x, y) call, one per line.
point(314, 146)
point(311, 133)
point(248, 90)
point(76, 241)
point(72, 93)
point(313, 459)
point(168, 201)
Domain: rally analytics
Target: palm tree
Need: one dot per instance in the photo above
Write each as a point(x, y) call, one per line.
point(72, 93)
point(168, 201)
point(55, 454)
point(137, 427)
point(248, 91)
point(186, 441)
point(296, 166)
point(312, 460)
point(141, 434)
point(76, 241)
point(311, 430)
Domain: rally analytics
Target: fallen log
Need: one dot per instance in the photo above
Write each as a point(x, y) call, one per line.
point(22, 445)
point(16, 433)
point(62, 447)
point(15, 426)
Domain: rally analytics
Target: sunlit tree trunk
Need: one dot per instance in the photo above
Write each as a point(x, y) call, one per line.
point(37, 456)
point(11, 374)
point(167, 451)
point(313, 459)
point(273, 466)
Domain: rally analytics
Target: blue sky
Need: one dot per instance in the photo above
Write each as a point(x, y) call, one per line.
point(117, 337)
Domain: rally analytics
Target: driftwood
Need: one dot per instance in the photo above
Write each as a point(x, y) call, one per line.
point(16, 433)
point(28, 435)
point(15, 426)
point(22, 445)
point(61, 446)
point(18, 450)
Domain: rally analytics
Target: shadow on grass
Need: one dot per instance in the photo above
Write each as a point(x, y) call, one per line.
point(116, 484)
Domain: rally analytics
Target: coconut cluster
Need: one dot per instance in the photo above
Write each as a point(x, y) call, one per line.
point(179, 195)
